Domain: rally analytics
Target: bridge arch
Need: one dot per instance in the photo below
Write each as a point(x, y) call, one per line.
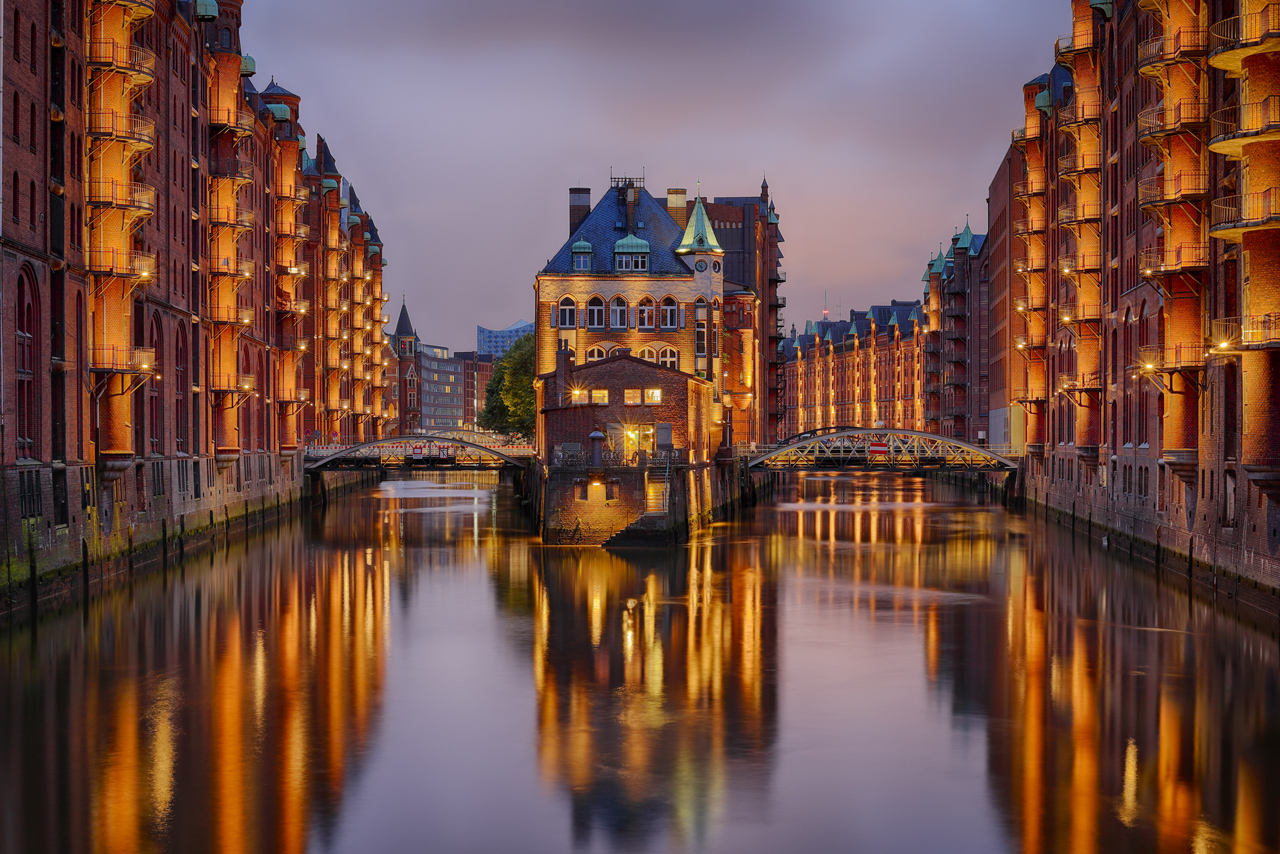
point(880, 449)
point(354, 450)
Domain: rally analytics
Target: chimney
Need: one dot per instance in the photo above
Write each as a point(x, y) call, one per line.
point(676, 205)
point(632, 192)
point(579, 207)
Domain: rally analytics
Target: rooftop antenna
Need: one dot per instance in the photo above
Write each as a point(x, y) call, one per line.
point(824, 305)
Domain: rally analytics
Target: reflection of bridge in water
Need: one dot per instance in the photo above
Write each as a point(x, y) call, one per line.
point(878, 449)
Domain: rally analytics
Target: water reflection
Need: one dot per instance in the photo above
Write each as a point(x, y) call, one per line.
point(875, 663)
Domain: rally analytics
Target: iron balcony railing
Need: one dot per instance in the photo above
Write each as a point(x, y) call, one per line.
point(1024, 304)
point(1070, 265)
point(134, 61)
point(137, 130)
point(293, 306)
point(1076, 161)
point(1029, 224)
point(1170, 357)
point(1172, 118)
point(232, 117)
point(1239, 124)
point(1251, 331)
point(293, 395)
point(1076, 212)
point(1022, 134)
point(229, 383)
point(1074, 42)
point(225, 265)
point(228, 217)
point(120, 262)
point(1027, 266)
point(1079, 111)
point(1028, 187)
point(1246, 210)
point(1080, 381)
point(294, 342)
point(121, 194)
point(292, 229)
point(231, 167)
point(296, 193)
point(237, 315)
point(1030, 341)
point(1171, 189)
point(122, 360)
point(1183, 43)
point(296, 268)
point(1160, 260)
point(1081, 311)
point(1245, 31)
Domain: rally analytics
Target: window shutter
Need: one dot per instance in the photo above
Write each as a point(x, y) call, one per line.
point(632, 312)
point(682, 317)
point(555, 316)
point(582, 316)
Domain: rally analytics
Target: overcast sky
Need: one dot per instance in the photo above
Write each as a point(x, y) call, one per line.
point(462, 124)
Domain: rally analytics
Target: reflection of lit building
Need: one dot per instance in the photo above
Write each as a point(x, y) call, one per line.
point(253, 688)
point(656, 685)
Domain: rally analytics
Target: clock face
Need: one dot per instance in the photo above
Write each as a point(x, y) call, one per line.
point(700, 266)
point(715, 266)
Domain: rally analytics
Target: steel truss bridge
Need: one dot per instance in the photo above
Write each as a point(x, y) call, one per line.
point(859, 449)
point(452, 449)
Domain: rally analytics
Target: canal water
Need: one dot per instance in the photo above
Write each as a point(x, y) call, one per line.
point(872, 664)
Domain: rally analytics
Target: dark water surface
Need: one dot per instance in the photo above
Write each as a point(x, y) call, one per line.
point(873, 664)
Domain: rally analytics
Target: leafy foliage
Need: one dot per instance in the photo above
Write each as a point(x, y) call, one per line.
point(510, 405)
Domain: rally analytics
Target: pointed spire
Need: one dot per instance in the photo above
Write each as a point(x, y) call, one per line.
point(698, 235)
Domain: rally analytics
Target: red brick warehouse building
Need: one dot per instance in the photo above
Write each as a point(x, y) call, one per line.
point(177, 278)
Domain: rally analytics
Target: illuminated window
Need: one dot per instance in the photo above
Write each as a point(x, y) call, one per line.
point(618, 313)
point(669, 313)
point(599, 397)
point(644, 315)
point(669, 358)
point(652, 396)
point(631, 397)
point(595, 313)
point(595, 353)
point(649, 354)
point(568, 312)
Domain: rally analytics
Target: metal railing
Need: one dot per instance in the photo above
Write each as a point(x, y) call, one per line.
point(120, 262)
point(1245, 30)
point(1170, 357)
point(233, 314)
point(296, 193)
point(226, 383)
point(122, 360)
point(1081, 311)
point(1028, 187)
point(121, 194)
point(227, 217)
point(1070, 265)
point(1185, 42)
point(1170, 118)
point(1244, 210)
point(1029, 224)
point(294, 342)
point(232, 117)
point(109, 123)
point(1252, 119)
point(1168, 189)
point(1029, 304)
point(231, 167)
point(1023, 134)
point(1079, 212)
point(1080, 381)
point(1078, 161)
point(1025, 266)
point(293, 229)
point(297, 268)
point(133, 60)
point(1078, 112)
point(293, 306)
point(224, 265)
point(1247, 331)
point(1158, 260)
point(1030, 341)
point(1072, 42)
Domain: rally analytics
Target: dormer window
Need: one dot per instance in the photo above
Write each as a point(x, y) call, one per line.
point(581, 256)
point(631, 255)
point(631, 262)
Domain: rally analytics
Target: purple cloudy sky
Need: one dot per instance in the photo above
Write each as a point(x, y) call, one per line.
point(462, 124)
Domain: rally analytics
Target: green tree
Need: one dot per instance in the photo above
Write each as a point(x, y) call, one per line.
point(510, 405)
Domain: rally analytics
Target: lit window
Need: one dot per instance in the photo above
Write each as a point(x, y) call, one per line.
point(599, 396)
point(595, 353)
point(649, 354)
point(595, 313)
point(581, 262)
point(652, 396)
point(669, 358)
point(644, 315)
point(669, 313)
point(568, 312)
point(618, 319)
point(632, 397)
point(700, 339)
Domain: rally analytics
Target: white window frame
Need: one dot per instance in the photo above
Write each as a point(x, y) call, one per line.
point(595, 313)
point(582, 262)
point(669, 357)
point(670, 313)
point(645, 314)
point(568, 313)
point(595, 354)
point(618, 313)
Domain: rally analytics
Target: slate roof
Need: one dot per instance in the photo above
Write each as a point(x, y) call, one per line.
point(978, 241)
point(274, 88)
point(404, 326)
point(324, 158)
point(373, 231)
point(607, 224)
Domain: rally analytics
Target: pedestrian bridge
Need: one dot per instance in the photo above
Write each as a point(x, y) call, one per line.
point(453, 449)
point(858, 449)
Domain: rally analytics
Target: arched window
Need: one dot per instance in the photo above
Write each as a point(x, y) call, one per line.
point(14, 200)
point(180, 389)
point(17, 36)
point(595, 354)
point(33, 47)
point(644, 314)
point(28, 321)
point(31, 205)
point(260, 405)
point(568, 313)
point(618, 313)
point(226, 37)
point(17, 119)
point(700, 332)
point(669, 358)
point(649, 354)
point(670, 313)
point(155, 389)
point(31, 136)
point(595, 313)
